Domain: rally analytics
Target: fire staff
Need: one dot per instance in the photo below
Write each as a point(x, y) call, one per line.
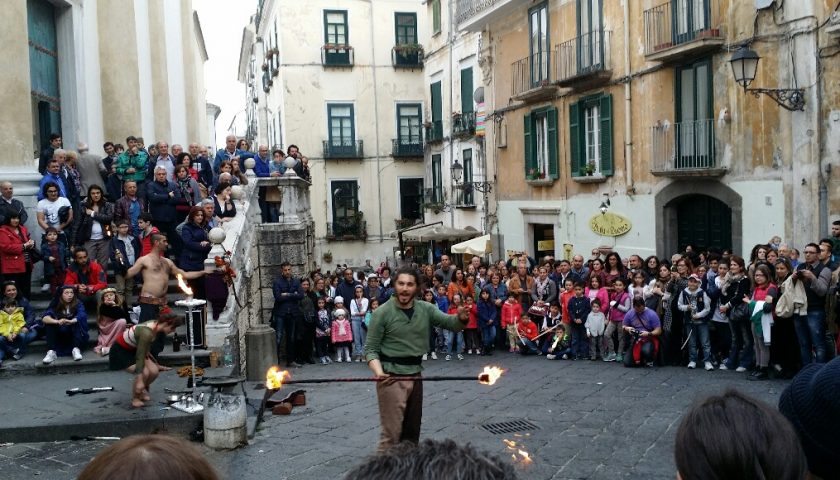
point(397, 338)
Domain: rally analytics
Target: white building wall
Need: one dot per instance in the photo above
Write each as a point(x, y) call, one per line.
point(302, 90)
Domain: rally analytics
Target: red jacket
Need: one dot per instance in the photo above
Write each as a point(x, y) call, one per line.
point(96, 279)
point(511, 313)
point(527, 330)
point(146, 242)
point(11, 249)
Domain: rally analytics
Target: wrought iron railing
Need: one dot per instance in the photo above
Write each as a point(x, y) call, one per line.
point(335, 55)
point(338, 148)
point(350, 228)
point(433, 195)
point(401, 223)
point(533, 72)
point(584, 54)
point(434, 131)
point(463, 124)
point(407, 56)
point(681, 21)
point(405, 147)
point(683, 146)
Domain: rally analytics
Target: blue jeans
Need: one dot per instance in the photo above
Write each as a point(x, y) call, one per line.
point(488, 336)
point(580, 344)
point(527, 347)
point(558, 354)
point(459, 341)
point(359, 335)
point(699, 338)
point(810, 330)
point(8, 347)
point(741, 351)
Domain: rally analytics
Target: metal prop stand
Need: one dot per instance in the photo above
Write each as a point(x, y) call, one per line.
point(190, 404)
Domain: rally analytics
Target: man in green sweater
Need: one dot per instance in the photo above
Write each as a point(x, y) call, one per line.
point(398, 336)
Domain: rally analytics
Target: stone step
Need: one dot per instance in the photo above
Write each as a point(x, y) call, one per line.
point(31, 364)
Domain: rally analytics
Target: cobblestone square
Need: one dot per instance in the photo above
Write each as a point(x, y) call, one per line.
point(596, 420)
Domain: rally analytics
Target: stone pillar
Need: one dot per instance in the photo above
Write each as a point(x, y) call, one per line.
point(16, 142)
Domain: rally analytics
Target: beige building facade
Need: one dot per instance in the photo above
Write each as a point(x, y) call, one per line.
point(343, 80)
point(95, 71)
point(634, 106)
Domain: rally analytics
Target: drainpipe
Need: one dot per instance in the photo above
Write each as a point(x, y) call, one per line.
point(628, 130)
point(375, 119)
point(450, 42)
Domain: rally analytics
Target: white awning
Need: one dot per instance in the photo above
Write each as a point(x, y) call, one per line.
point(475, 246)
point(438, 233)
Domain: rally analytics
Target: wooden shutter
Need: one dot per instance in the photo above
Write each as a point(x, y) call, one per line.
point(553, 161)
point(467, 90)
point(575, 140)
point(437, 103)
point(530, 158)
point(606, 135)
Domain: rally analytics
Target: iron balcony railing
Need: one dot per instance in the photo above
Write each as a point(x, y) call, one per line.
point(533, 72)
point(407, 56)
point(434, 131)
point(407, 147)
point(350, 228)
point(466, 9)
point(681, 21)
point(335, 55)
point(466, 195)
point(584, 54)
point(433, 195)
point(338, 148)
point(463, 124)
point(401, 223)
point(687, 146)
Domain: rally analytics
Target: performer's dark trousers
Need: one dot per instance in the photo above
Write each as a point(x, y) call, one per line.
point(400, 411)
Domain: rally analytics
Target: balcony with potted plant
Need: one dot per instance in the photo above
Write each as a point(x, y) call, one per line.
point(679, 31)
point(337, 55)
point(407, 55)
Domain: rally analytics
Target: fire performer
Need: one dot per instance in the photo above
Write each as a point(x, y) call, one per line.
point(398, 336)
point(156, 270)
point(136, 351)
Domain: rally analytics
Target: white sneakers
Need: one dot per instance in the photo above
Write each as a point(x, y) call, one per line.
point(434, 355)
point(740, 369)
point(77, 354)
point(692, 365)
point(45, 288)
point(425, 356)
point(460, 357)
point(709, 367)
point(49, 357)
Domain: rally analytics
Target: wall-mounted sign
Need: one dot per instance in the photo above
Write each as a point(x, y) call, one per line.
point(545, 245)
point(610, 224)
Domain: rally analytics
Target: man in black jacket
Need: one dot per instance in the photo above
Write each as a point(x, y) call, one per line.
point(163, 196)
point(347, 287)
point(287, 313)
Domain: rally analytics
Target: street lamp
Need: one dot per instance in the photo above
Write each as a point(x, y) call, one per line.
point(457, 171)
point(744, 64)
point(605, 204)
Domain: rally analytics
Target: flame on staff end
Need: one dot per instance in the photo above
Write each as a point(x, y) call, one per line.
point(183, 285)
point(517, 450)
point(274, 378)
point(489, 375)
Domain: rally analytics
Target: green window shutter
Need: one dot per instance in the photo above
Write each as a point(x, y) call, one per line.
point(435, 16)
point(530, 158)
point(606, 135)
point(575, 139)
point(467, 90)
point(553, 161)
point(437, 102)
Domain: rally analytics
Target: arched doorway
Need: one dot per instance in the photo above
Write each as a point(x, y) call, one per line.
point(703, 212)
point(704, 222)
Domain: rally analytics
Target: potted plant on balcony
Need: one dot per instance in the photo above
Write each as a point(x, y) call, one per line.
point(588, 169)
point(339, 47)
point(408, 48)
point(327, 257)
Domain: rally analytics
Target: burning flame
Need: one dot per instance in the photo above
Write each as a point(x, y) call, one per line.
point(274, 378)
point(517, 450)
point(489, 375)
point(183, 285)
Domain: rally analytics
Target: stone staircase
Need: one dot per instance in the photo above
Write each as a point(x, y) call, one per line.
point(31, 362)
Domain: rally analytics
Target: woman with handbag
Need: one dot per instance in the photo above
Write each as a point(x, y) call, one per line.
point(736, 286)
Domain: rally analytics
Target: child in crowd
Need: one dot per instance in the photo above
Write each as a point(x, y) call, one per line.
point(487, 321)
point(449, 335)
point(568, 293)
point(551, 320)
point(526, 332)
point(54, 253)
point(323, 327)
point(579, 308)
point(559, 346)
point(596, 322)
point(620, 303)
point(638, 287)
point(374, 304)
point(434, 332)
point(13, 332)
point(125, 250)
point(442, 299)
point(471, 329)
point(342, 335)
point(511, 313)
point(695, 306)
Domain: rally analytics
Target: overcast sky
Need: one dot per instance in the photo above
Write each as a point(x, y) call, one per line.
point(222, 22)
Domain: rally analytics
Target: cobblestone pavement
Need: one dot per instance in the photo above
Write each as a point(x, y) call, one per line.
point(596, 420)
